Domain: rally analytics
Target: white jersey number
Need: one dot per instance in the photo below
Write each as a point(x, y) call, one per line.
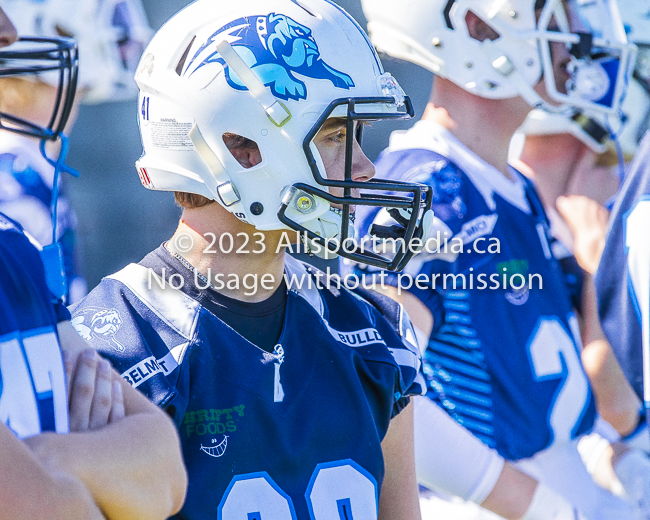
point(339, 490)
point(637, 243)
point(33, 392)
point(553, 355)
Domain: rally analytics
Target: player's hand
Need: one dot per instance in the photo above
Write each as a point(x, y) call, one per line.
point(588, 223)
point(95, 394)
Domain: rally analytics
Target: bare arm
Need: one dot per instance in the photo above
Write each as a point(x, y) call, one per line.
point(399, 491)
point(31, 490)
point(616, 401)
point(588, 223)
point(512, 494)
point(132, 467)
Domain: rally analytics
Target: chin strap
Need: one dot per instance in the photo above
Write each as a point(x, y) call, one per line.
point(52, 255)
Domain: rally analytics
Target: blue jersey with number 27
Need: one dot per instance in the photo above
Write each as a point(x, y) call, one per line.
point(32, 379)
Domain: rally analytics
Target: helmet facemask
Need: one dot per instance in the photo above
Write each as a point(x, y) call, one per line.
point(30, 57)
point(601, 59)
point(333, 233)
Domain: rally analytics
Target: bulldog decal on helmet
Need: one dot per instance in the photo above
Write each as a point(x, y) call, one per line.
point(277, 48)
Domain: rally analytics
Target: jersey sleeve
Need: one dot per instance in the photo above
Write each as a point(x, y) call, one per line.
point(404, 349)
point(623, 276)
point(127, 332)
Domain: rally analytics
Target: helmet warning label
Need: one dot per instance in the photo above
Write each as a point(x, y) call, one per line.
point(170, 133)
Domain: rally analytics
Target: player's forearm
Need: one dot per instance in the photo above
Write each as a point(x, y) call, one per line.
point(132, 468)
point(398, 499)
point(137, 469)
point(615, 399)
point(30, 489)
point(512, 494)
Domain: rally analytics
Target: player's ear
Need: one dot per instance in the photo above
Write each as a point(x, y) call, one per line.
point(478, 29)
point(243, 149)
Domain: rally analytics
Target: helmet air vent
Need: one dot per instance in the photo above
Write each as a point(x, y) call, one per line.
point(446, 12)
point(307, 9)
point(181, 62)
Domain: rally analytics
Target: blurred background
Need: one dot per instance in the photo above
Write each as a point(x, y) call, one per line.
point(119, 221)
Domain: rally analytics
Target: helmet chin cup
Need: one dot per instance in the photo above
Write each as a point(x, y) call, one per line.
point(327, 227)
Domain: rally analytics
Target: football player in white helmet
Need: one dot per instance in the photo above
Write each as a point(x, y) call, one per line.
point(494, 62)
point(76, 440)
point(285, 385)
point(111, 35)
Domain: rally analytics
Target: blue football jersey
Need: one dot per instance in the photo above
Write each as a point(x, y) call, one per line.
point(623, 277)
point(503, 357)
point(32, 378)
point(295, 433)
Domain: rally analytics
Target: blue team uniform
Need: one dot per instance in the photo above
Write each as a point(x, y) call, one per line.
point(503, 362)
point(32, 379)
point(293, 433)
point(623, 277)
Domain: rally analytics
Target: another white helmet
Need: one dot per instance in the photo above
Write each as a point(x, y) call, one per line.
point(592, 128)
point(434, 35)
point(636, 109)
point(272, 72)
point(111, 35)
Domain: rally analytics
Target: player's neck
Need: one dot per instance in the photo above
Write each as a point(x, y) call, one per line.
point(485, 126)
point(552, 159)
point(203, 238)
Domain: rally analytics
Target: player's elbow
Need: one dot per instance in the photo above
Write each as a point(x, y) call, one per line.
point(64, 498)
point(168, 485)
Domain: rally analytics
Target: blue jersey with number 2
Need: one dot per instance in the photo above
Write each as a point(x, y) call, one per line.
point(503, 357)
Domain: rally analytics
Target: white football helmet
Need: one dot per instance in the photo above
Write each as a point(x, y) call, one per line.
point(111, 35)
point(272, 72)
point(593, 128)
point(434, 35)
point(636, 109)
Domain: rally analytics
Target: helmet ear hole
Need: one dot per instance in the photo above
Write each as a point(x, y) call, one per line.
point(244, 150)
point(478, 29)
